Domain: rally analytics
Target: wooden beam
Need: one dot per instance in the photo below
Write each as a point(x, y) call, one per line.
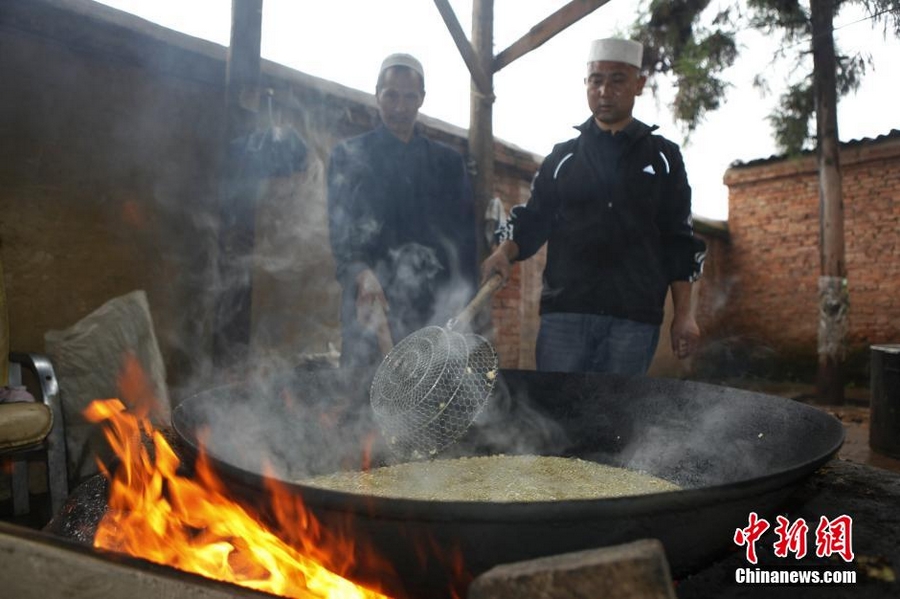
point(237, 191)
point(478, 73)
point(481, 129)
point(546, 29)
point(243, 66)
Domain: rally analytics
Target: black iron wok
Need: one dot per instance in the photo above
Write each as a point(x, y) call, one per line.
point(732, 451)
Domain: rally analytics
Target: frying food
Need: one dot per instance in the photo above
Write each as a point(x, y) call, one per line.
point(497, 478)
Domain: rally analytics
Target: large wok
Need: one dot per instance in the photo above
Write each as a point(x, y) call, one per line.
point(732, 451)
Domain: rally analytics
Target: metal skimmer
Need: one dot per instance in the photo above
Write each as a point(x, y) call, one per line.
point(431, 386)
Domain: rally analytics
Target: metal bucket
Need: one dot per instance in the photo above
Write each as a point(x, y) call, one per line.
point(884, 423)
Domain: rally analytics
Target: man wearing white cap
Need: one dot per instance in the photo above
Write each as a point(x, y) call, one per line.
point(402, 223)
point(613, 206)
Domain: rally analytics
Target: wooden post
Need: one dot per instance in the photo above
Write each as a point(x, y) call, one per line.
point(481, 128)
point(243, 68)
point(5, 345)
point(833, 294)
point(237, 191)
point(482, 65)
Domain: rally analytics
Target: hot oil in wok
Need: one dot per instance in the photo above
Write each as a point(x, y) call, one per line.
point(497, 478)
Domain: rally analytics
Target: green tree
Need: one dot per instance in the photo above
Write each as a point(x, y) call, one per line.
point(683, 42)
point(693, 42)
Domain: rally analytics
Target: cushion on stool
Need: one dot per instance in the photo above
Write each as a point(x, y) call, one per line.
point(23, 424)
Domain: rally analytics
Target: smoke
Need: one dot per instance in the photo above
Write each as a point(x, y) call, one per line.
point(410, 285)
point(695, 435)
point(702, 451)
point(511, 424)
point(260, 411)
point(700, 435)
point(292, 424)
point(302, 424)
point(250, 263)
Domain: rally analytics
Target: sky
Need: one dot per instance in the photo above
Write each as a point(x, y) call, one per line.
point(540, 96)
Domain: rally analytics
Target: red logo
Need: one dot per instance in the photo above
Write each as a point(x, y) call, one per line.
point(748, 536)
point(791, 537)
point(835, 536)
point(832, 537)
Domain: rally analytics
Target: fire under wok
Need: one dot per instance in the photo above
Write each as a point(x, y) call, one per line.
point(731, 451)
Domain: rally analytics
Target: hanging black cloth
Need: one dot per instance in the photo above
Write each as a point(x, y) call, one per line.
point(274, 151)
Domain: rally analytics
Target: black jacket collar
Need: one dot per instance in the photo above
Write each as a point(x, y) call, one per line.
point(635, 129)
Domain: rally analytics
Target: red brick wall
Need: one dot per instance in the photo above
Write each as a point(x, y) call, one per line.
point(772, 262)
point(514, 307)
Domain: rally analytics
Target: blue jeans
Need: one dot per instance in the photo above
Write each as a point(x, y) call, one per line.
point(594, 343)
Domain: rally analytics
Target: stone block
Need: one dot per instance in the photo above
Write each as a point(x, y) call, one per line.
point(637, 570)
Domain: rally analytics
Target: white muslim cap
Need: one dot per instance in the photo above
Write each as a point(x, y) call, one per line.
point(616, 50)
point(402, 60)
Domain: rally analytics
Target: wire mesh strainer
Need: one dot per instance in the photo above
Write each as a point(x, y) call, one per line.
point(431, 386)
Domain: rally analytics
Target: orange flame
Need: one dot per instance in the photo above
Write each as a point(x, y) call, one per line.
point(191, 524)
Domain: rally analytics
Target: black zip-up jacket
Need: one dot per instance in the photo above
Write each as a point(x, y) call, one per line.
point(615, 213)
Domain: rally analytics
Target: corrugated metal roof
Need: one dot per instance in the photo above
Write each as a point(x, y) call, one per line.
point(893, 134)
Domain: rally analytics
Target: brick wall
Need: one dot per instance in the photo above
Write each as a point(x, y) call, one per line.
point(772, 262)
point(108, 182)
point(108, 163)
point(515, 307)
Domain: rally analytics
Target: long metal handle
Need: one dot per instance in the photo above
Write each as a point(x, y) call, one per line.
point(382, 330)
point(468, 313)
